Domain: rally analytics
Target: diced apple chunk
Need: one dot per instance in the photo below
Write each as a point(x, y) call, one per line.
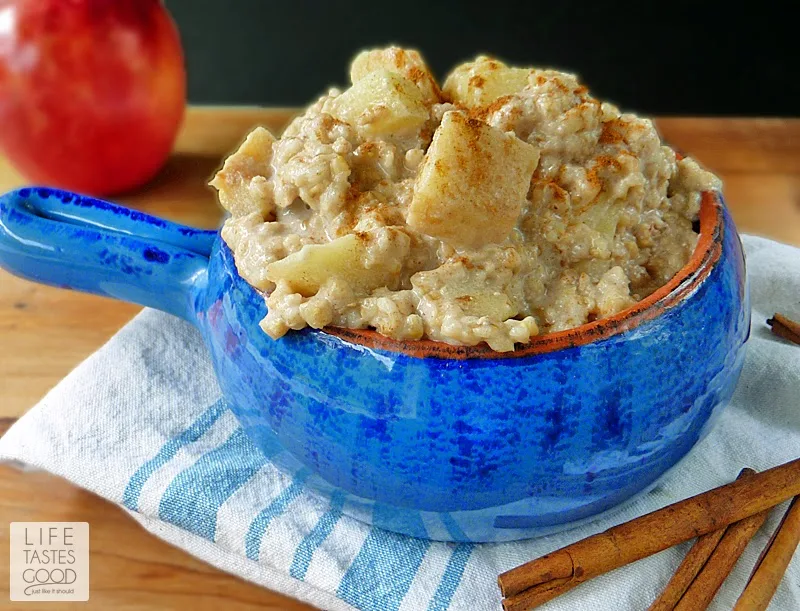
point(242, 182)
point(405, 62)
point(309, 268)
point(472, 184)
point(470, 288)
point(479, 83)
point(382, 103)
point(603, 217)
point(484, 303)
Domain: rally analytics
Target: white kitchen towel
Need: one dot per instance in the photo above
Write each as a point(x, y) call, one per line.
point(142, 423)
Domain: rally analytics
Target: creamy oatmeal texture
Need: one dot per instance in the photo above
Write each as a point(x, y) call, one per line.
point(507, 204)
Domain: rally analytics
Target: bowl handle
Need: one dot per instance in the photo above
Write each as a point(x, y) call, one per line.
point(78, 242)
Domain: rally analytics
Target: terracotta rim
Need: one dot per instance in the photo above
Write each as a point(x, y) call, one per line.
point(683, 284)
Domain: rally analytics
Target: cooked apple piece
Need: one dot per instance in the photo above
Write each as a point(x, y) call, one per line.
point(482, 81)
point(309, 268)
point(603, 216)
point(469, 288)
point(382, 103)
point(495, 305)
point(405, 62)
point(242, 182)
point(472, 184)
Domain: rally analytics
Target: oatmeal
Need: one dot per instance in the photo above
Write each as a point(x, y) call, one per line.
point(506, 204)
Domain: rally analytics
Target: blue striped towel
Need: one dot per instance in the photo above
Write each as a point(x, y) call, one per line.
point(142, 424)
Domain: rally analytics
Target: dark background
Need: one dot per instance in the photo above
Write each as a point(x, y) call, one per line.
point(695, 58)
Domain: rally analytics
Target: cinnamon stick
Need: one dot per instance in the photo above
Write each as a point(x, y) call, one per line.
point(657, 531)
point(772, 564)
point(690, 567)
point(538, 595)
point(785, 328)
point(692, 564)
point(706, 585)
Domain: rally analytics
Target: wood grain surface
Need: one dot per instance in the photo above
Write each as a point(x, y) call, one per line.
point(45, 332)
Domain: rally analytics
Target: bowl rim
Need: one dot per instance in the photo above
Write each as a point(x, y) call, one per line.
point(683, 284)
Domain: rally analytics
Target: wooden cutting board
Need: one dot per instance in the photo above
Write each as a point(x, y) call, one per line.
point(45, 332)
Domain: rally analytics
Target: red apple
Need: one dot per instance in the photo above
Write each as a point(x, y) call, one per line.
point(92, 92)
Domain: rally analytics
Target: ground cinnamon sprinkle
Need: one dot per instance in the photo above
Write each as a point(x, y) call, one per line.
point(353, 194)
point(604, 161)
point(484, 111)
point(593, 178)
point(417, 75)
point(474, 124)
point(426, 134)
point(558, 195)
point(477, 81)
point(400, 58)
point(609, 133)
point(466, 262)
point(560, 85)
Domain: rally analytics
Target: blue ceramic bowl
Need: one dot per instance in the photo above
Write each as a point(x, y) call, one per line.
point(418, 434)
